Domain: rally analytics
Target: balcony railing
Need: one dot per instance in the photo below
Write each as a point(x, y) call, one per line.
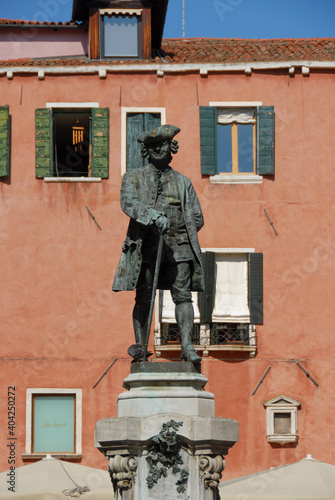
point(229, 333)
point(170, 334)
point(208, 337)
point(219, 333)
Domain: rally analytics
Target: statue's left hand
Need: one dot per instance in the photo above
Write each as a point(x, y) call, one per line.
point(162, 224)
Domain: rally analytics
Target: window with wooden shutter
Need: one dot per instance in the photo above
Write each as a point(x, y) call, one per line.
point(237, 141)
point(43, 143)
point(100, 143)
point(206, 298)
point(266, 140)
point(72, 142)
point(208, 149)
point(136, 124)
point(256, 288)
point(4, 141)
point(226, 312)
point(233, 288)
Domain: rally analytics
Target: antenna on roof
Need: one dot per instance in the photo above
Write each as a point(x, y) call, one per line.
point(183, 18)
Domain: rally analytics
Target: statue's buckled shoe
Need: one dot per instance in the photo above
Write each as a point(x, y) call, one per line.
point(139, 353)
point(188, 353)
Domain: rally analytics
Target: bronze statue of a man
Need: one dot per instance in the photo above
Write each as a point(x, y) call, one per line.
point(160, 200)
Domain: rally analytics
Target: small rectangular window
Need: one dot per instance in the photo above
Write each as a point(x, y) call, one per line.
point(282, 423)
point(53, 425)
point(282, 420)
point(236, 140)
point(120, 36)
point(121, 33)
point(72, 143)
point(53, 422)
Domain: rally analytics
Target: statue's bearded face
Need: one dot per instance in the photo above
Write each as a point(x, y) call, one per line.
point(160, 152)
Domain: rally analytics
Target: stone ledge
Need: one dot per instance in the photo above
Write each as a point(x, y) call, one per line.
point(171, 379)
point(198, 434)
point(161, 393)
point(63, 456)
point(165, 367)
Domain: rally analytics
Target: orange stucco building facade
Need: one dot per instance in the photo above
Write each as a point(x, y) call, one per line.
point(63, 327)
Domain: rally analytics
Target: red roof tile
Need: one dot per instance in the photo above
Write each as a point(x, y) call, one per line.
point(210, 51)
point(21, 22)
point(227, 50)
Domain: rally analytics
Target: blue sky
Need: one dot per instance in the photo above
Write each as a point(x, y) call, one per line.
point(212, 18)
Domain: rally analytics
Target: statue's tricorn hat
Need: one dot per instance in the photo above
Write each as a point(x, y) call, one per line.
point(158, 134)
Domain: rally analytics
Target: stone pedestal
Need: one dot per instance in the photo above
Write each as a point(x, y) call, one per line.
point(166, 442)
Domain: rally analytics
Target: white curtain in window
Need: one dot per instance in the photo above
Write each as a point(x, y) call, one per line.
point(231, 289)
point(226, 116)
point(167, 307)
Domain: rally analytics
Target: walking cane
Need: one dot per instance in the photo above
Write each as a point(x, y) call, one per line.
point(154, 288)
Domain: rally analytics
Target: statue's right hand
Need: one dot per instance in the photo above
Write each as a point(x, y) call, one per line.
point(162, 224)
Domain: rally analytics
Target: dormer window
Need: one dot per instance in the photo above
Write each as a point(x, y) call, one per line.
point(121, 33)
point(127, 29)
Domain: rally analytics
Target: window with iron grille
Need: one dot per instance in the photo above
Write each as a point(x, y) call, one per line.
point(229, 333)
point(231, 304)
point(233, 288)
point(170, 334)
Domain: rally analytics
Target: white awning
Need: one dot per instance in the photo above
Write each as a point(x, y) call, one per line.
point(167, 308)
point(307, 479)
point(231, 289)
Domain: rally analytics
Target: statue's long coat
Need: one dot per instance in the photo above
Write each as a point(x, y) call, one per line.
point(138, 197)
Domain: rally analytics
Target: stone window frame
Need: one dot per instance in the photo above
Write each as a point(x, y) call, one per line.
point(30, 392)
point(281, 404)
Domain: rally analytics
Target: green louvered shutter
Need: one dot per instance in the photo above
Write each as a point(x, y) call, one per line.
point(134, 129)
point(4, 141)
point(43, 143)
point(266, 140)
point(151, 121)
point(100, 142)
point(256, 288)
point(136, 124)
point(206, 298)
point(208, 150)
